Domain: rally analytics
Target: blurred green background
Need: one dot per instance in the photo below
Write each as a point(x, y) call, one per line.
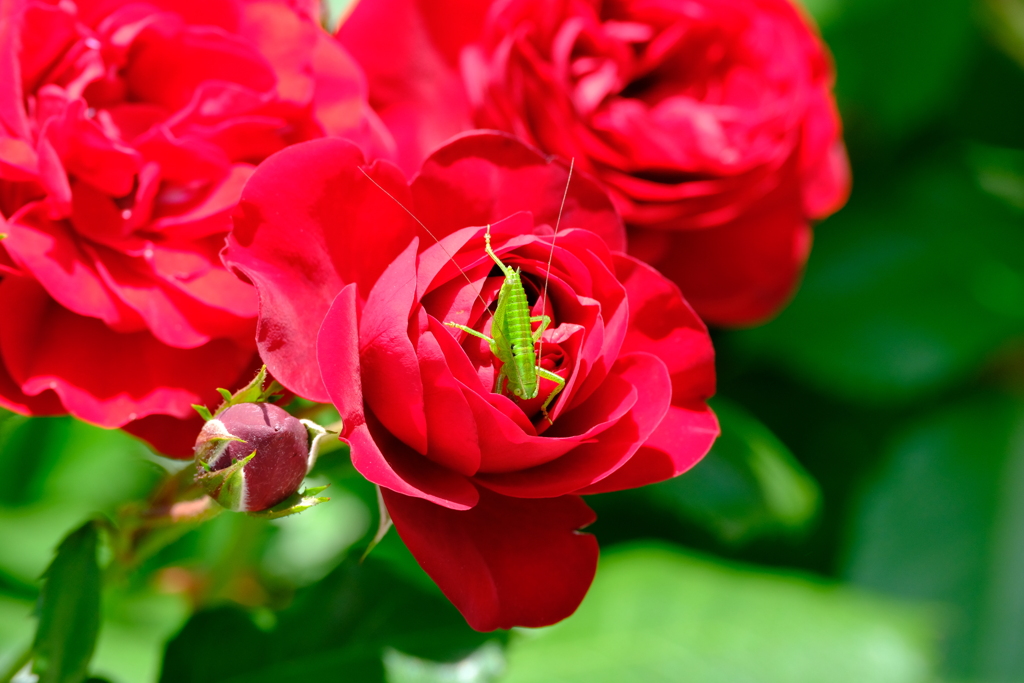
point(861, 519)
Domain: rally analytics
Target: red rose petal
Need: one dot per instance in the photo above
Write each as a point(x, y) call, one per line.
point(662, 323)
point(286, 40)
point(168, 435)
point(416, 78)
point(222, 13)
point(49, 251)
point(740, 273)
point(392, 387)
point(681, 440)
point(507, 562)
point(389, 463)
point(185, 57)
point(18, 161)
point(13, 121)
point(309, 222)
point(452, 438)
point(13, 398)
point(209, 217)
point(102, 376)
point(596, 458)
point(481, 177)
point(338, 356)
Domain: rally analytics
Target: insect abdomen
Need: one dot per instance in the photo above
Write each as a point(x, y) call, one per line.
point(520, 337)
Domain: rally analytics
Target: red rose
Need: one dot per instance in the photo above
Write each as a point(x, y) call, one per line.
point(710, 123)
point(127, 130)
point(354, 297)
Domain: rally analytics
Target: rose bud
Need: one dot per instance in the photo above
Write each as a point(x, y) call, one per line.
point(252, 456)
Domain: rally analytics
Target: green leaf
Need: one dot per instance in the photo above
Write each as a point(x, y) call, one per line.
point(943, 522)
point(214, 646)
point(22, 479)
point(748, 485)
point(336, 629)
point(55, 472)
point(897, 302)
point(655, 614)
point(69, 610)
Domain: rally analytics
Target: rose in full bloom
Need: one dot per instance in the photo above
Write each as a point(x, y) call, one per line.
point(127, 130)
point(710, 123)
point(359, 271)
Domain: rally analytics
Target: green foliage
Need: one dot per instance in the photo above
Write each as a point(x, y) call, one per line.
point(898, 302)
point(59, 472)
point(944, 523)
point(337, 629)
point(748, 485)
point(655, 614)
point(69, 610)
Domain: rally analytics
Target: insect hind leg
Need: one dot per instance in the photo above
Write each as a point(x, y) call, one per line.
point(559, 385)
point(544, 322)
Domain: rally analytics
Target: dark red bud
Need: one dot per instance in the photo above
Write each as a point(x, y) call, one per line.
point(281, 443)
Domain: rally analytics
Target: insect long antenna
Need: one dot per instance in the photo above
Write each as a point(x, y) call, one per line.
point(551, 254)
point(429, 232)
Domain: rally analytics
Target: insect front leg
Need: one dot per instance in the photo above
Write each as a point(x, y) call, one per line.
point(494, 257)
point(499, 381)
point(470, 330)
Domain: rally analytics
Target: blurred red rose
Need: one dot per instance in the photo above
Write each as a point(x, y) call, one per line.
point(127, 130)
point(482, 487)
point(710, 122)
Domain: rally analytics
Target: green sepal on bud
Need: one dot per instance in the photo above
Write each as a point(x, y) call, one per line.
point(253, 392)
point(226, 486)
point(294, 504)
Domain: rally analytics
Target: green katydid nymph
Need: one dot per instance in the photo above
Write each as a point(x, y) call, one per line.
point(514, 339)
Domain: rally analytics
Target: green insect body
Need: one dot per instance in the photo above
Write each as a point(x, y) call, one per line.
point(514, 338)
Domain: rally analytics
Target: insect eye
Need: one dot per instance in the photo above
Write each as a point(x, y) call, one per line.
point(517, 393)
